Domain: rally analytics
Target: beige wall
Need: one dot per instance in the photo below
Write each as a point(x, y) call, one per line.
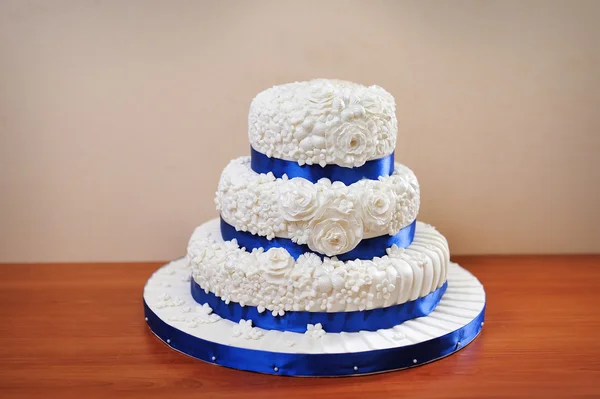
point(116, 117)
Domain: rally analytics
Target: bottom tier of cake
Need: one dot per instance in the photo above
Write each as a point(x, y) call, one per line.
point(191, 328)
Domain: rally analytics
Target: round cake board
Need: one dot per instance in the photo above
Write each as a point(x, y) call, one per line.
point(188, 327)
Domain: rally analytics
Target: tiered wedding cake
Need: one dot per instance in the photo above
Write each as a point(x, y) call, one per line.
point(317, 265)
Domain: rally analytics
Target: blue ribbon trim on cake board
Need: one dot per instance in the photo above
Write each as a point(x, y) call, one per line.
point(372, 170)
point(332, 322)
point(366, 249)
point(323, 364)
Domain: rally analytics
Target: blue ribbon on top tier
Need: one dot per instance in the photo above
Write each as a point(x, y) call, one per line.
point(367, 248)
point(372, 170)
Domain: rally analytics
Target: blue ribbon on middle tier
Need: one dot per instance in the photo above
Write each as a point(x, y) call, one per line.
point(367, 248)
point(372, 170)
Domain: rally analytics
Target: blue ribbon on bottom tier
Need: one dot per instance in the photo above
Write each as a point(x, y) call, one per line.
point(322, 364)
point(367, 248)
point(332, 322)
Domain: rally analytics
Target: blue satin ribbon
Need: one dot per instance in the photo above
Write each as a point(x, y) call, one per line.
point(372, 170)
point(323, 364)
point(332, 322)
point(366, 249)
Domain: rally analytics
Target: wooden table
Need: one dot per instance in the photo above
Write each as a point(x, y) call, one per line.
point(77, 330)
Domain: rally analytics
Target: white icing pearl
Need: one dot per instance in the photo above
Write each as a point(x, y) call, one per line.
point(214, 358)
point(145, 318)
point(275, 369)
point(355, 368)
point(482, 324)
point(458, 344)
point(415, 361)
point(168, 341)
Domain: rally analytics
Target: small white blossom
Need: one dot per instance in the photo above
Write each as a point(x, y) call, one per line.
point(315, 330)
point(204, 309)
point(245, 330)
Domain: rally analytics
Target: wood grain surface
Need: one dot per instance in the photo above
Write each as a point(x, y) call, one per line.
point(77, 330)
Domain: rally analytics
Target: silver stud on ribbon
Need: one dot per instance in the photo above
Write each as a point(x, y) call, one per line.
point(415, 361)
point(168, 341)
point(355, 368)
point(214, 358)
point(276, 369)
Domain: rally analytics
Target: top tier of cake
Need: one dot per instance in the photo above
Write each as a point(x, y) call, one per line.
point(323, 122)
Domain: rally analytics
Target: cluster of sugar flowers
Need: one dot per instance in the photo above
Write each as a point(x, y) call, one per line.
point(203, 315)
point(330, 217)
point(315, 330)
point(323, 122)
point(245, 330)
point(272, 281)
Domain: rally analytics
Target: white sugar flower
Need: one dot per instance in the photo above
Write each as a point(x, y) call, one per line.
point(320, 92)
point(385, 288)
point(309, 260)
point(276, 262)
point(351, 144)
point(245, 324)
point(298, 199)
point(329, 277)
point(244, 329)
point(377, 205)
point(204, 309)
point(394, 251)
point(315, 330)
point(213, 317)
point(298, 232)
point(334, 234)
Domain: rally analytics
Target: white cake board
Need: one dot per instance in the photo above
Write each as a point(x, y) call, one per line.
point(455, 322)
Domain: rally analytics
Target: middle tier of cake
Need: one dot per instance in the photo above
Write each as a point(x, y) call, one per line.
point(306, 212)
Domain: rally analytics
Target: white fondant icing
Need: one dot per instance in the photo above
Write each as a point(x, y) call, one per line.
point(273, 281)
point(330, 217)
point(448, 316)
point(323, 122)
